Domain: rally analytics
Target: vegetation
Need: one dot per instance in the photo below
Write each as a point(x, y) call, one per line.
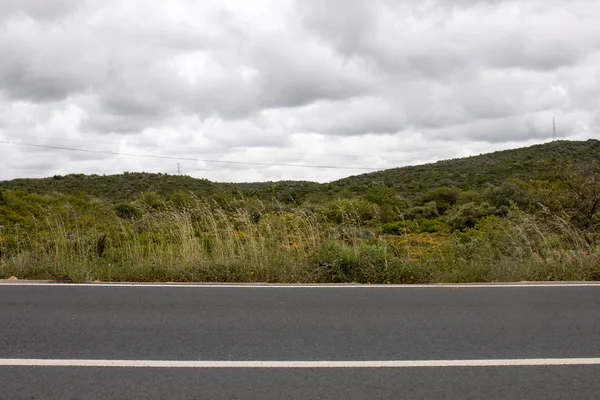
point(525, 214)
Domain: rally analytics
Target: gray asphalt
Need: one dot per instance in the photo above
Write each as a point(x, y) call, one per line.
point(292, 324)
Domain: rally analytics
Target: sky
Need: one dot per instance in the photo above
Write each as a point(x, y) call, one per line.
point(269, 90)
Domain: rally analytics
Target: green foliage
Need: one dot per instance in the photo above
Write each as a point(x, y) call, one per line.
point(181, 200)
point(117, 188)
point(421, 225)
point(493, 238)
point(503, 196)
point(366, 263)
point(125, 210)
point(496, 217)
point(477, 172)
point(467, 215)
point(392, 190)
point(444, 198)
point(151, 199)
point(391, 204)
point(351, 212)
point(470, 196)
point(572, 192)
point(426, 211)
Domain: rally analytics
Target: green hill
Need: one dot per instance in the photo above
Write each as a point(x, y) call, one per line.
point(479, 172)
point(471, 173)
point(526, 214)
point(116, 188)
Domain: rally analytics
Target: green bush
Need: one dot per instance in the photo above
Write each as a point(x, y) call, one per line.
point(338, 263)
point(443, 197)
point(470, 196)
point(351, 212)
point(466, 216)
point(501, 197)
point(125, 210)
point(426, 211)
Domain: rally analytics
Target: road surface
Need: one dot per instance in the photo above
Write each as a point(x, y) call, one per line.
point(319, 342)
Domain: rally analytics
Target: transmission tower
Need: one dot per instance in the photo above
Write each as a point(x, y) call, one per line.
point(553, 129)
point(178, 169)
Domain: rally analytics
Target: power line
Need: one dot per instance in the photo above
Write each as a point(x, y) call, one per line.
point(216, 151)
point(183, 158)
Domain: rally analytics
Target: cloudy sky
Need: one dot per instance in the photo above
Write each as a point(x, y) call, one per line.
point(271, 89)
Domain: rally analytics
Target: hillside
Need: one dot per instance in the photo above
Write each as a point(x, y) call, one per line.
point(117, 188)
point(476, 219)
point(471, 173)
point(478, 172)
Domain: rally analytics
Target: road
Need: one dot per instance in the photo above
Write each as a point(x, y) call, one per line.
point(332, 328)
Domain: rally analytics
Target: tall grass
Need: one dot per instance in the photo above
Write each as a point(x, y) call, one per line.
point(200, 240)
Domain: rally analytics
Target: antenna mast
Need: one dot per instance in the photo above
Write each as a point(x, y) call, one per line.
point(179, 168)
point(553, 129)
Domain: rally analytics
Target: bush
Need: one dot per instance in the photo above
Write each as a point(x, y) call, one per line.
point(125, 210)
point(427, 211)
point(338, 263)
point(501, 197)
point(571, 193)
point(443, 197)
point(351, 212)
point(470, 196)
point(467, 215)
point(151, 200)
point(181, 200)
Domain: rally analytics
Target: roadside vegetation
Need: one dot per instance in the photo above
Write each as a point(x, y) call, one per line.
point(487, 225)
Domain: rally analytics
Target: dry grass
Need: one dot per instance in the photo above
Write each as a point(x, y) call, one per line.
point(201, 241)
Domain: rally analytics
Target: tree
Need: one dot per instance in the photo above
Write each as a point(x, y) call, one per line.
point(504, 195)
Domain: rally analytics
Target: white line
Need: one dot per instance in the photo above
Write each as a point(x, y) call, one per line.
point(303, 286)
point(534, 362)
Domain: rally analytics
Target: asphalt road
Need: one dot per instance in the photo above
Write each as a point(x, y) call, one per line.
point(299, 324)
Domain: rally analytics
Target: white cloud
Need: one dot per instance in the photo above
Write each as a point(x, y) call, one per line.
point(289, 82)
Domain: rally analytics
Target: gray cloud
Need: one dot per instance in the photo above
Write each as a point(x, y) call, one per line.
point(39, 9)
point(340, 74)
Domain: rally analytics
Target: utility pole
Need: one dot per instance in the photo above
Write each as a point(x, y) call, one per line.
point(553, 129)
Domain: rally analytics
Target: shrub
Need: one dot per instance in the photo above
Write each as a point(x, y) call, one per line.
point(427, 211)
point(467, 215)
point(470, 196)
point(363, 264)
point(351, 212)
point(501, 197)
point(125, 210)
point(443, 197)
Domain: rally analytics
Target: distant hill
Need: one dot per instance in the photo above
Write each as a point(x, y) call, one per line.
point(116, 188)
point(476, 172)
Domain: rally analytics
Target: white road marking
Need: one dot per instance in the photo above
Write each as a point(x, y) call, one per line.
point(301, 286)
point(533, 362)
